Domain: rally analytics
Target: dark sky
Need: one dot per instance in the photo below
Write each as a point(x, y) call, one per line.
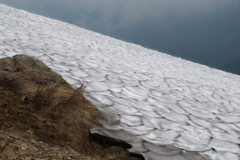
point(204, 31)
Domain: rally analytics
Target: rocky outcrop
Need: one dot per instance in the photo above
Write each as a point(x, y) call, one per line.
point(42, 116)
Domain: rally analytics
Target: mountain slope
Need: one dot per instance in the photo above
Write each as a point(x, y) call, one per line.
point(165, 107)
point(43, 117)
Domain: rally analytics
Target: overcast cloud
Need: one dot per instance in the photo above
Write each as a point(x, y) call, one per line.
point(205, 31)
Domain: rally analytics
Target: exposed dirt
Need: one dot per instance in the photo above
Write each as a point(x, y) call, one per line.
point(42, 116)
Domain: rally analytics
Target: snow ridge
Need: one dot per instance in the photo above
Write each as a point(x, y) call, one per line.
point(165, 107)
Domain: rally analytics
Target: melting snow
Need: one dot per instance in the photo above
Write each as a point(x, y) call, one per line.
point(165, 107)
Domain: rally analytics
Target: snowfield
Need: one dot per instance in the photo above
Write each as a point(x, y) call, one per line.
point(165, 107)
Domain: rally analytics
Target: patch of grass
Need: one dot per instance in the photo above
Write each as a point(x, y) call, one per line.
point(43, 98)
point(8, 83)
point(64, 83)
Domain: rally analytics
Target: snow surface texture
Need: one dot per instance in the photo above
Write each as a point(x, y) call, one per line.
point(165, 107)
